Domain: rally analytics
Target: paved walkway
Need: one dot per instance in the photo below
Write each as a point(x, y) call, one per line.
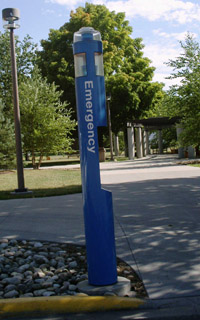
point(157, 221)
point(157, 204)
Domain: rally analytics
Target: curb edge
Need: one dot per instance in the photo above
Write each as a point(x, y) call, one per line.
point(67, 304)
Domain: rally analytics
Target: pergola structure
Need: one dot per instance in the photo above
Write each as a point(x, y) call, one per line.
point(139, 131)
point(157, 123)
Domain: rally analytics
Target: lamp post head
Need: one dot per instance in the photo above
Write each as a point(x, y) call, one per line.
point(10, 15)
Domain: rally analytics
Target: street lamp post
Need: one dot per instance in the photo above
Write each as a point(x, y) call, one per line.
point(108, 98)
point(11, 15)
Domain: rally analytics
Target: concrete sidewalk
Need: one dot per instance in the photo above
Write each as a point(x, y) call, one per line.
point(157, 205)
point(157, 223)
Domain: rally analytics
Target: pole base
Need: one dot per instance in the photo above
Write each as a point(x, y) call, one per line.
point(121, 288)
point(21, 191)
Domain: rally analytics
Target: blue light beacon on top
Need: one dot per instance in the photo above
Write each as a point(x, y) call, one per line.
point(97, 202)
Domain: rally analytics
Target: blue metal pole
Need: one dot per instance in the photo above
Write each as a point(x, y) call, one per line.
point(97, 202)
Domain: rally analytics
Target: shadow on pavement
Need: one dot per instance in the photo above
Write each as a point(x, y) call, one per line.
point(161, 221)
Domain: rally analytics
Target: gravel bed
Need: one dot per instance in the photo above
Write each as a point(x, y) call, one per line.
point(37, 268)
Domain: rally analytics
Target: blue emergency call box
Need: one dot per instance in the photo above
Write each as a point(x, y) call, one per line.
point(91, 112)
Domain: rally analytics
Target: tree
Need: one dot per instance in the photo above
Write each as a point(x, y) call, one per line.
point(46, 125)
point(7, 140)
point(131, 99)
point(183, 100)
point(128, 74)
point(25, 57)
point(56, 59)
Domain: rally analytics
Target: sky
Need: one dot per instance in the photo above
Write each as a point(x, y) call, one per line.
point(162, 24)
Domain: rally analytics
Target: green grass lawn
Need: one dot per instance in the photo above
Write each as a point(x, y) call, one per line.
point(195, 164)
point(43, 183)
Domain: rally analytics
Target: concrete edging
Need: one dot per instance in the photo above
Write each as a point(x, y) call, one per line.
point(67, 304)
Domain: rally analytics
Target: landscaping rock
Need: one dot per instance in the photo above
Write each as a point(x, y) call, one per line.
point(11, 294)
point(36, 268)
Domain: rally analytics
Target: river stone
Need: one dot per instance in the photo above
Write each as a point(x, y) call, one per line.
point(109, 294)
point(28, 273)
point(48, 293)
point(12, 242)
point(53, 262)
point(47, 284)
point(27, 295)
point(39, 292)
point(72, 287)
point(11, 294)
point(38, 245)
point(40, 259)
point(39, 274)
point(9, 287)
point(23, 268)
point(22, 287)
point(13, 280)
point(28, 253)
point(3, 245)
point(36, 268)
point(4, 240)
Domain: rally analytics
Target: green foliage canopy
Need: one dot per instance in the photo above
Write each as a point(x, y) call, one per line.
point(184, 100)
point(25, 58)
point(7, 140)
point(46, 125)
point(128, 74)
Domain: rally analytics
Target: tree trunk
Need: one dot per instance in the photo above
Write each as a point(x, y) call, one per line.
point(33, 161)
point(100, 136)
point(27, 156)
point(40, 161)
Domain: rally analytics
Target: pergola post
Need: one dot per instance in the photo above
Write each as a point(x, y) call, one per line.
point(145, 143)
point(180, 149)
point(191, 152)
point(131, 141)
point(116, 145)
point(160, 141)
point(139, 142)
